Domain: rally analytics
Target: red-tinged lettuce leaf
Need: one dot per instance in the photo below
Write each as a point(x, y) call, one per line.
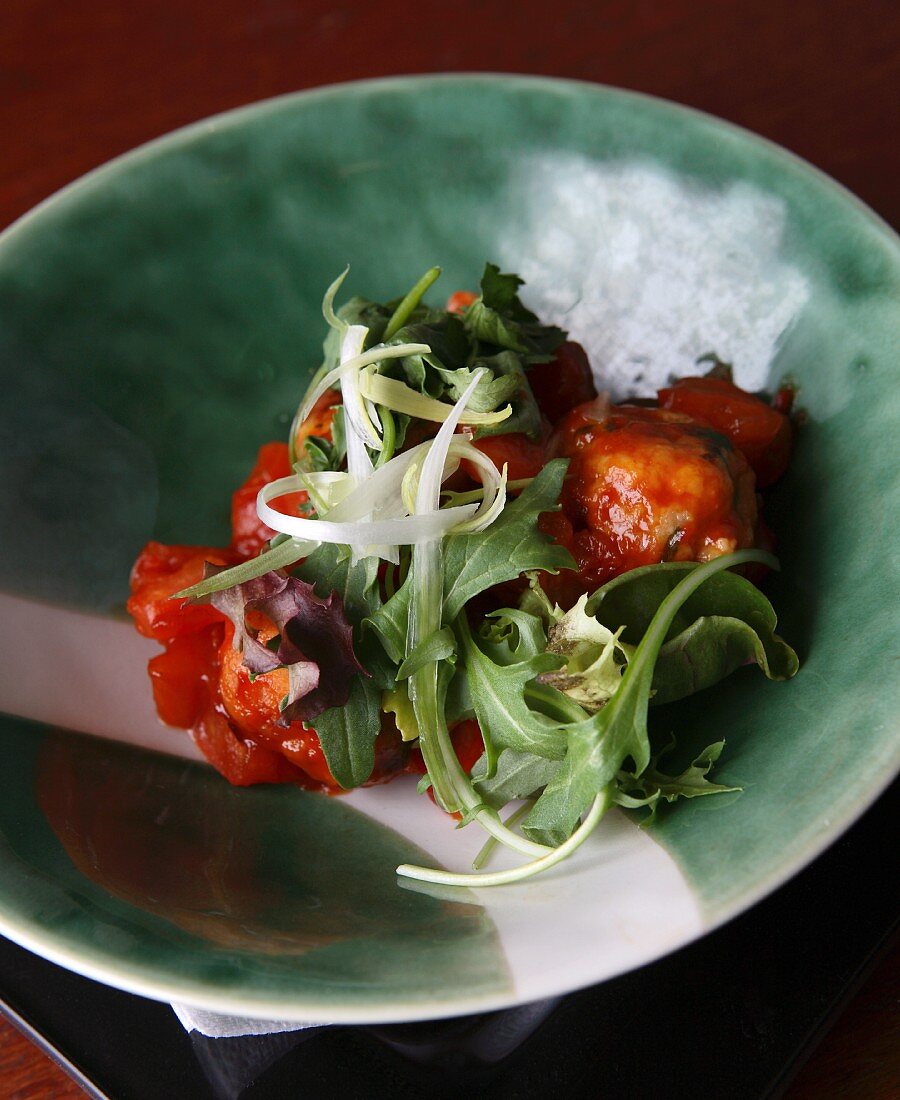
point(315, 640)
point(313, 630)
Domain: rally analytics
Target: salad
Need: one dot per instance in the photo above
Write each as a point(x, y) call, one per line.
point(467, 564)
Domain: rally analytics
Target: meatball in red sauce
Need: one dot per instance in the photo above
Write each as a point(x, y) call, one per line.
point(647, 485)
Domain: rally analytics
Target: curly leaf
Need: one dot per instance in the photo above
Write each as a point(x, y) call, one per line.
point(475, 561)
point(498, 317)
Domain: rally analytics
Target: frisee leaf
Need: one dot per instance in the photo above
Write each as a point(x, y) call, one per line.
point(398, 703)
point(594, 658)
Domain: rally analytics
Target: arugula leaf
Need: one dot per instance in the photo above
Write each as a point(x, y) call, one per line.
point(654, 785)
point(513, 543)
point(439, 646)
point(510, 635)
point(478, 560)
point(498, 696)
point(598, 746)
point(391, 621)
point(518, 775)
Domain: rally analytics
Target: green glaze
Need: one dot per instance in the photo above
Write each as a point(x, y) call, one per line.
point(166, 309)
point(222, 891)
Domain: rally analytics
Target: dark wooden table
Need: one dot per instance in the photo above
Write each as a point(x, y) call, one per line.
point(84, 81)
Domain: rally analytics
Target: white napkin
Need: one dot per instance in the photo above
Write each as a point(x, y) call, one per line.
point(216, 1025)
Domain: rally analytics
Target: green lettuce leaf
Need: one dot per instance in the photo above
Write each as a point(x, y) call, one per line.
point(599, 746)
point(347, 734)
point(727, 623)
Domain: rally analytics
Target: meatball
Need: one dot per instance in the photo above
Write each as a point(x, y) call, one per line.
point(647, 485)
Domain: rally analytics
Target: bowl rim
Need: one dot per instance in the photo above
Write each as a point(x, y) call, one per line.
point(134, 977)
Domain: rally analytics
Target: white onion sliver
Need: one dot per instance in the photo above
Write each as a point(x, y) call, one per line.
point(360, 431)
point(359, 534)
point(492, 480)
point(367, 358)
point(396, 395)
point(428, 493)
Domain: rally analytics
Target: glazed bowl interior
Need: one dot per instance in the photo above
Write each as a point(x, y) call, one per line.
point(157, 323)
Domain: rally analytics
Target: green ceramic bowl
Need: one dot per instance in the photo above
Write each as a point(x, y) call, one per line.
point(157, 322)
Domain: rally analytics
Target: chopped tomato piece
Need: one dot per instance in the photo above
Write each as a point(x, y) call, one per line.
point(759, 431)
point(523, 457)
point(163, 570)
point(460, 300)
point(562, 384)
point(181, 676)
point(242, 761)
point(248, 532)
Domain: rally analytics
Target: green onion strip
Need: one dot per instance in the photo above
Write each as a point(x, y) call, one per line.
point(452, 785)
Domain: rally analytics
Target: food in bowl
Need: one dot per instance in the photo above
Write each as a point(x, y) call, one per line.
point(466, 563)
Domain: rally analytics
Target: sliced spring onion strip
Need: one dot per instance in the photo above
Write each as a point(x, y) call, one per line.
point(331, 318)
point(493, 483)
point(397, 396)
point(452, 785)
point(361, 431)
point(404, 311)
point(278, 557)
point(365, 359)
point(526, 870)
point(357, 534)
point(326, 488)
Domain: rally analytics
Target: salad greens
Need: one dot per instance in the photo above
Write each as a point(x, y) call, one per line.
point(387, 609)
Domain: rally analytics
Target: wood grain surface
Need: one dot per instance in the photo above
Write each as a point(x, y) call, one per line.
point(83, 81)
